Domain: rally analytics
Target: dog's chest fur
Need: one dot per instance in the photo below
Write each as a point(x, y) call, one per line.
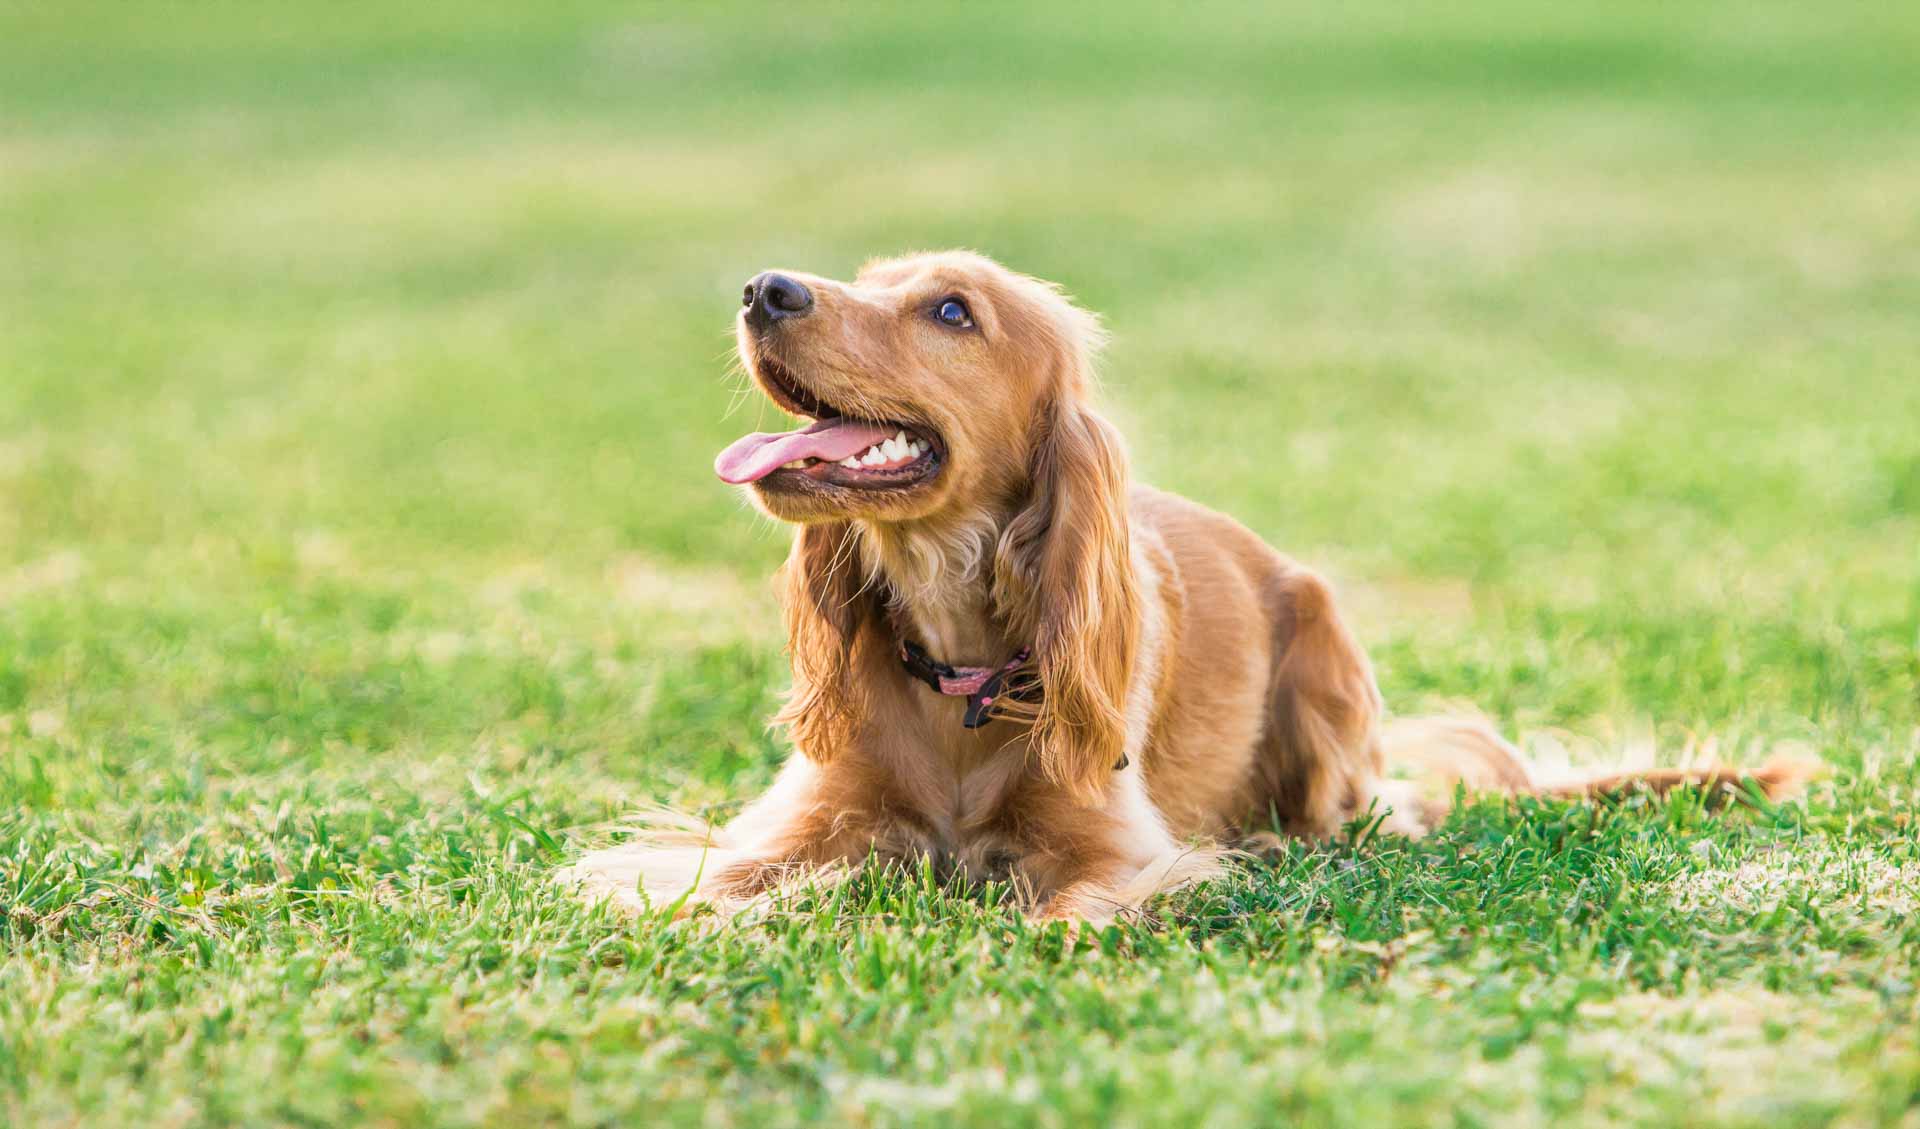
point(961, 787)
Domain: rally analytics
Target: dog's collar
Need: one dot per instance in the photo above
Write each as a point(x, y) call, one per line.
point(979, 685)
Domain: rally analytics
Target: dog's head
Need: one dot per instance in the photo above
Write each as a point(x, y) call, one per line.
point(945, 388)
point(923, 381)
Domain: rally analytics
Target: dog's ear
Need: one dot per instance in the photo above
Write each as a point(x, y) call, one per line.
point(828, 614)
point(1063, 576)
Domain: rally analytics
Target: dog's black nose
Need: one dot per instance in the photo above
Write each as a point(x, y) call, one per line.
point(774, 297)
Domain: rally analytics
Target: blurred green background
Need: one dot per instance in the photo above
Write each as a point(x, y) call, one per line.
point(361, 367)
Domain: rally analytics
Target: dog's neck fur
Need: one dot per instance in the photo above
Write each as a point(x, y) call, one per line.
point(939, 580)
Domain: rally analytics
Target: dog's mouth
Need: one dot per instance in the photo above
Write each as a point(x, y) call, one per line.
point(835, 450)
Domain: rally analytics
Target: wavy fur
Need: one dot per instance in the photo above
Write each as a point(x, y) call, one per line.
point(1197, 687)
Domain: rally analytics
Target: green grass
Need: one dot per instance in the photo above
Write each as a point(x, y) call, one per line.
point(360, 371)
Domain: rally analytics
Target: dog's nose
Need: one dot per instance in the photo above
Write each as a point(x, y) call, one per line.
point(774, 297)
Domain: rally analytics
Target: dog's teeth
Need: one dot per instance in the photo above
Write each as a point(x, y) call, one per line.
point(913, 448)
point(850, 463)
point(900, 437)
point(797, 464)
point(892, 449)
point(874, 456)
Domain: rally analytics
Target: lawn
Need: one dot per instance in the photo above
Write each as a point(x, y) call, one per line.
point(361, 368)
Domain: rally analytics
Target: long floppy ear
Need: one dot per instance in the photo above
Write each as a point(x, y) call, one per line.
point(1063, 576)
point(827, 610)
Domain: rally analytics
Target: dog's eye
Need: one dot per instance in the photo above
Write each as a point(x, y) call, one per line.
point(953, 312)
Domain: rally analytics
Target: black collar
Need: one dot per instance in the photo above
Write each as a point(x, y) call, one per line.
point(980, 685)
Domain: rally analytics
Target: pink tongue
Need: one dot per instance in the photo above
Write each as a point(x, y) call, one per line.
point(753, 457)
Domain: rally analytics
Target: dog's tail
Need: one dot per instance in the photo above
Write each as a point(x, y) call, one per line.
point(1444, 752)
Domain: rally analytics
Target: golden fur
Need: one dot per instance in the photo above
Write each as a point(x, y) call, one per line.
point(1165, 635)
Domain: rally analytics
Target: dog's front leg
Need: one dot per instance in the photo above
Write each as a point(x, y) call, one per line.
point(1090, 901)
point(811, 825)
point(1115, 892)
point(1092, 864)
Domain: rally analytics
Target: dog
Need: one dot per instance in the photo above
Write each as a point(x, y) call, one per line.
point(1008, 657)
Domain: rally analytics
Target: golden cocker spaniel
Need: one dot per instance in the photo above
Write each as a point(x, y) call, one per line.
point(1007, 656)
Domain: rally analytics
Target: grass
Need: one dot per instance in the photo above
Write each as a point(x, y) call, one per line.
point(360, 369)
